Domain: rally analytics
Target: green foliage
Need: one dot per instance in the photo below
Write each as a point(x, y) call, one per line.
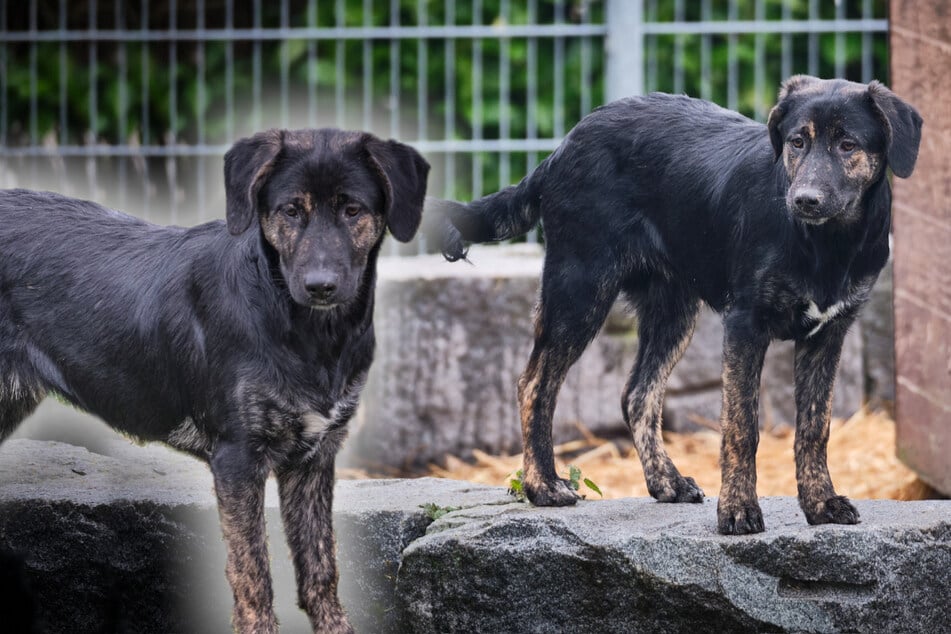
point(516, 483)
point(434, 511)
point(187, 91)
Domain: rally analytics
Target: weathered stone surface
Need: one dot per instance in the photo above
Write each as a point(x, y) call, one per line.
point(130, 543)
point(453, 339)
point(634, 565)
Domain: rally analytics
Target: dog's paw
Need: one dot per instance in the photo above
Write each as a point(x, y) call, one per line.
point(835, 510)
point(556, 492)
point(676, 489)
point(739, 517)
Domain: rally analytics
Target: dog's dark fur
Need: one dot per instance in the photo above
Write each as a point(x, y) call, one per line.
point(672, 202)
point(245, 343)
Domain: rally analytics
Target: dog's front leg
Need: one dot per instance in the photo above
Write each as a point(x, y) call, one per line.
point(306, 490)
point(817, 358)
point(744, 348)
point(239, 486)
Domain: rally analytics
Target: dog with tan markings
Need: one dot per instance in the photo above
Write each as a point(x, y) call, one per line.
point(673, 202)
point(245, 343)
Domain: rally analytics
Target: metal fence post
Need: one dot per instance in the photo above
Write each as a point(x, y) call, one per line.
point(624, 49)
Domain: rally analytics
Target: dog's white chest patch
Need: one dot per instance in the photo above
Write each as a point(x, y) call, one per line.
point(822, 317)
point(315, 423)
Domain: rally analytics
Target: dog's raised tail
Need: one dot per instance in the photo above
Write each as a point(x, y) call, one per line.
point(505, 214)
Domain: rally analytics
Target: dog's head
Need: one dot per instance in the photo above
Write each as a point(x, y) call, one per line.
point(323, 200)
point(835, 138)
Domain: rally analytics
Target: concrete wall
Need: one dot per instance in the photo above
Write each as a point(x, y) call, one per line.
point(453, 339)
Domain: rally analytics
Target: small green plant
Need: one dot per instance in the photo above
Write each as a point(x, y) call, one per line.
point(575, 480)
point(517, 485)
point(434, 511)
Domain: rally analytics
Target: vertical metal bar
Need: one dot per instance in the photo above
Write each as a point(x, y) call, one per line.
point(733, 75)
point(312, 66)
point(531, 71)
point(559, 75)
point(449, 77)
point(394, 100)
point(171, 174)
point(122, 134)
point(839, 41)
point(33, 125)
point(813, 40)
point(285, 66)
point(422, 105)
point(422, 70)
point(200, 205)
point(340, 78)
point(256, 54)
point(3, 81)
point(679, 15)
point(786, 38)
point(229, 72)
point(505, 97)
point(759, 63)
point(651, 16)
point(532, 118)
point(586, 54)
point(476, 100)
point(867, 70)
point(144, 60)
point(624, 48)
point(63, 91)
point(367, 68)
point(93, 103)
point(706, 44)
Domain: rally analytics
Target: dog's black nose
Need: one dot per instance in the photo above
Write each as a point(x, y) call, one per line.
point(320, 286)
point(808, 199)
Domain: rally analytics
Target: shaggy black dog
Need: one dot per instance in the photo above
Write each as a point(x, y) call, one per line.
point(674, 202)
point(245, 343)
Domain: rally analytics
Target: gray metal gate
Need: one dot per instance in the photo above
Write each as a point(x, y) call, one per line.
point(134, 103)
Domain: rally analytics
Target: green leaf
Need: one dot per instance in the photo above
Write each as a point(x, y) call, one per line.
point(517, 486)
point(594, 487)
point(574, 477)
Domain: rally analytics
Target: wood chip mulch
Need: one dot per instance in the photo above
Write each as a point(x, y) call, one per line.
point(862, 462)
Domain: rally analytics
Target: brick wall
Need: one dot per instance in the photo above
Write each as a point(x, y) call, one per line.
point(921, 74)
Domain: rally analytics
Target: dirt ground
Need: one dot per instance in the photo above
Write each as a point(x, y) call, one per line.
point(861, 460)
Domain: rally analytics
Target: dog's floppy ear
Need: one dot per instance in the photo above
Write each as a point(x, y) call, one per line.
point(788, 87)
point(902, 128)
point(247, 165)
point(403, 174)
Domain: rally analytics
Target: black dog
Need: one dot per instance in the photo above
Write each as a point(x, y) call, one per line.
point(673, 201)
point(245, 343)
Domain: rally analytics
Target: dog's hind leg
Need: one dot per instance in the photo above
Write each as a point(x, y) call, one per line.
point(18, 399)
point(306, 491)
point(575, 300)
point(667, 317)
point(239, 486)
point(817, 358)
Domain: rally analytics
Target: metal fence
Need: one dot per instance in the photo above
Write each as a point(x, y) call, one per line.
point(134, 103)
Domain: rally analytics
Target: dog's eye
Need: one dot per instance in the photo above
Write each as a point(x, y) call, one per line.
point(797, 142)
point(353, 210)
point(290, 210)
point(847, 146)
